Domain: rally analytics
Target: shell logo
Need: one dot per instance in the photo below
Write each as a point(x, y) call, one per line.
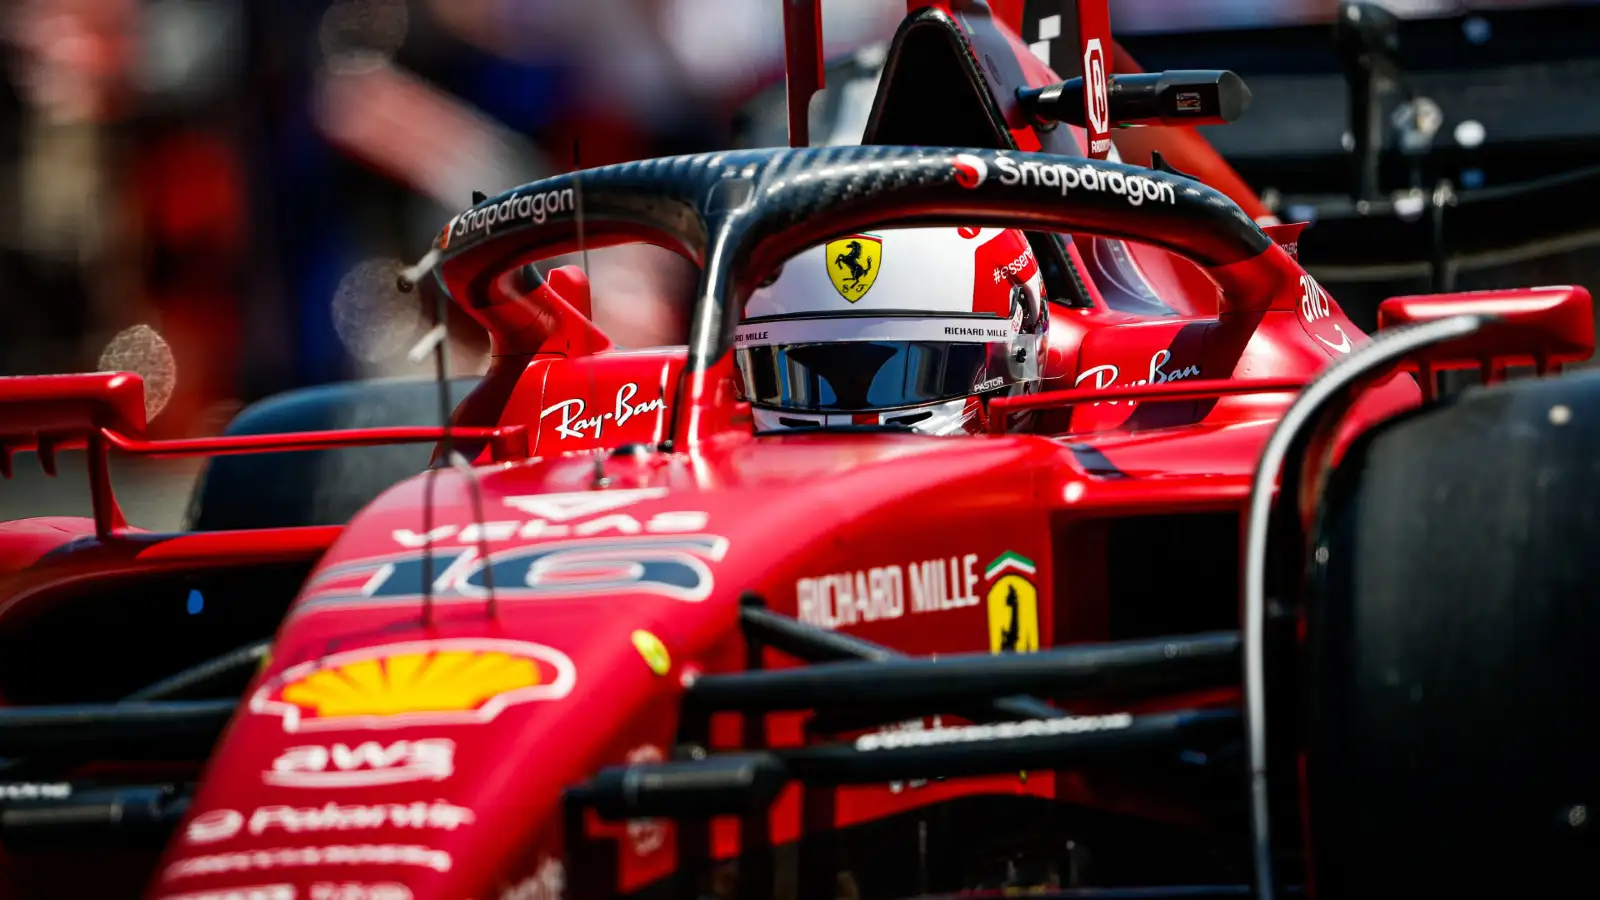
point(443, 682)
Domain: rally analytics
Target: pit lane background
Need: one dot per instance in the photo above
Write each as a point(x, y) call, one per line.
point(193, 189)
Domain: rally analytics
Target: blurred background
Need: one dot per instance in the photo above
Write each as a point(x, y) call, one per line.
point(241, 178)
point(218, 193)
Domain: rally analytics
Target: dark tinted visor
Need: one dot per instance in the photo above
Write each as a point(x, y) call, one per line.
point(861, 375)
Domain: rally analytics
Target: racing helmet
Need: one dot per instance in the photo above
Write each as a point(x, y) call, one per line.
point(911, 326)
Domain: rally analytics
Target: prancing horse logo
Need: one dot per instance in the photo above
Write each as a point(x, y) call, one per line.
point(853, 264)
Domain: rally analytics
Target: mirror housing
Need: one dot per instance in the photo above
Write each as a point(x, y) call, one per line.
point(1178, 97)
point(46, 413)
point(1542, 327)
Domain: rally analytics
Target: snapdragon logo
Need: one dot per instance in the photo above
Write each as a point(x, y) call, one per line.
point(1136, 189)
point(1003, 731)
point(971, 171)
point(535, 208)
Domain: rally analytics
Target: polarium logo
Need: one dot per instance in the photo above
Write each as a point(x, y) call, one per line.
point(1013, 604)
point(853, 264)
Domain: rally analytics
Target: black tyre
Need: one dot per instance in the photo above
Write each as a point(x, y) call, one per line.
point(1453, 684)
point(320, 487)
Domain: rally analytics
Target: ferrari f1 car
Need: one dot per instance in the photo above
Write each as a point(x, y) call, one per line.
point(1249, 611)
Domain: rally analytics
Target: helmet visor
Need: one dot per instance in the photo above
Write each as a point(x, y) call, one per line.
point(873, 370)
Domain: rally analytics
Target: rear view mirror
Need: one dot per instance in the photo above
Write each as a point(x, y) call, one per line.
point(45, 413)
point(1542, 327)
point(1186, 97)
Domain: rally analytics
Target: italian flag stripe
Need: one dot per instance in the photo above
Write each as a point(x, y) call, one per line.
point(1009, 560)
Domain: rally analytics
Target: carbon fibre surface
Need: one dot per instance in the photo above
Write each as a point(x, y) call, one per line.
point(683, 199)
point(740, 213)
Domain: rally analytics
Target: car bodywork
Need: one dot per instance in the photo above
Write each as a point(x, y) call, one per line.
point(577, 586)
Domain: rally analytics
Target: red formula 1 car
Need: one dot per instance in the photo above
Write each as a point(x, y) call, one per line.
point(1247, 610)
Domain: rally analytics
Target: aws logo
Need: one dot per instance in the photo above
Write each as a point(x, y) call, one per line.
point(1013, 602)
point(345, 765)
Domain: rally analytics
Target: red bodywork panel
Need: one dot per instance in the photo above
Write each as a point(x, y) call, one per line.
point(454, 717)
point(435, 688)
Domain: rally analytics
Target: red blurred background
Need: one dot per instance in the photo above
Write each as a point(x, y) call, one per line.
point(218, 193)
point(236, 182)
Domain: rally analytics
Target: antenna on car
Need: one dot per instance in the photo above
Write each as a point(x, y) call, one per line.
point(600, 479)
point(437, 343)
point(804, 71)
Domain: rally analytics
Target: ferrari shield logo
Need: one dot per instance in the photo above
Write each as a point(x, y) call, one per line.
point(853, 264)
point(1013, 605)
